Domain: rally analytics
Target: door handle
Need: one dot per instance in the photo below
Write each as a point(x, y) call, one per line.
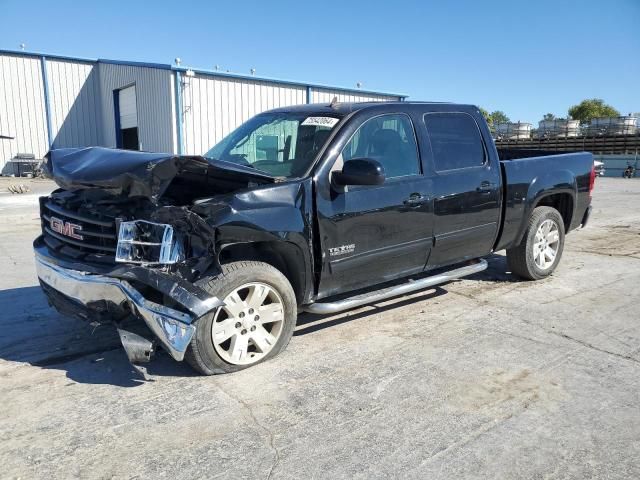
point(486, 187)
point(416, 199)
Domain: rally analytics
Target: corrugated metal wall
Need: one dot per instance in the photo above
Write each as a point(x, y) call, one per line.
point(81, 103)
point(74, 103)
point(214, 106)
point(22, 110)
point(153, 96)
point(325, 95)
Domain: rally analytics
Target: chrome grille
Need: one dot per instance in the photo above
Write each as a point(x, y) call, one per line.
point(98, 233)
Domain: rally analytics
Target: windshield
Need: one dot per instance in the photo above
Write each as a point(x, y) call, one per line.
point(280, 144)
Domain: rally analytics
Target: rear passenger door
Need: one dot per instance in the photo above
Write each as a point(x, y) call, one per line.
point(466, 189)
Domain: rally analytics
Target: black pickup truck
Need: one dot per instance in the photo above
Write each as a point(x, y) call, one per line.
point(316, 208)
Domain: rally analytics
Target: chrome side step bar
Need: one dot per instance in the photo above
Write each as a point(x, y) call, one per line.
point(410, 286)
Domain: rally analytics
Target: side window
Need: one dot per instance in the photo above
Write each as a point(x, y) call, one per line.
point(455, 141)
point(390, 140)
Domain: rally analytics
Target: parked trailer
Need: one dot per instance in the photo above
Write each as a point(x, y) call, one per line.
point(558, 128)
point(513, 130)
point(614, 126)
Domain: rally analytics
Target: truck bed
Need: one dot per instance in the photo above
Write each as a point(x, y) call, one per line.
point(518, 153)
point(528, 175)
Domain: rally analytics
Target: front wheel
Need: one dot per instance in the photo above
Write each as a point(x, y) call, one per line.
point(540, 250)
point(255, 324)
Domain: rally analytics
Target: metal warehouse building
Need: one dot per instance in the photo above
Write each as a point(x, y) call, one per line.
point(50, 101)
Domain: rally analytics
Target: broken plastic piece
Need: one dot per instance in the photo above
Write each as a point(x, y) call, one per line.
point(138, 349)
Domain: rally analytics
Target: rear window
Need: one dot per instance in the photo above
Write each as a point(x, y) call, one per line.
point(455, 141)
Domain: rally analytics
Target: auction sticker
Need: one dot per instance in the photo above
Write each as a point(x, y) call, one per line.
point(321, 121)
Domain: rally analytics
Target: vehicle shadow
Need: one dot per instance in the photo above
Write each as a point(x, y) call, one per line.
point(497, 271)
point(35, 334)
point(312, 322)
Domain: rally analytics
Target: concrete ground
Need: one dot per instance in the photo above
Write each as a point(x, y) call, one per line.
point(488, 377)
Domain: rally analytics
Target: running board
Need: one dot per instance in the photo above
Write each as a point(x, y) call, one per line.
point(410, 286)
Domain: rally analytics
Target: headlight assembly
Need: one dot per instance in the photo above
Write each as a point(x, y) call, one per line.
point(144, 242)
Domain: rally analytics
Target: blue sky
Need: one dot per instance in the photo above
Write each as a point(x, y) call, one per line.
point(525, 58)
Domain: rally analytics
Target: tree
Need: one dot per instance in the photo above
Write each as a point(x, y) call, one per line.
point(499, 117)
point(494, 118)
point(591, 108)
point(549, 116)
point(487, 116)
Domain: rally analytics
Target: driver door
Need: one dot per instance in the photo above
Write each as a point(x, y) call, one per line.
point(374, 233)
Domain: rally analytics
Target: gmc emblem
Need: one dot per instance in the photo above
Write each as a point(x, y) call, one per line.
point(66, 228)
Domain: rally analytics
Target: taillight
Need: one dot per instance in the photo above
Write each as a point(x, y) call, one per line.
point(592, 180)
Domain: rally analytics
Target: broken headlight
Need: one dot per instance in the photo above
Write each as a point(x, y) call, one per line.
point(146, 242)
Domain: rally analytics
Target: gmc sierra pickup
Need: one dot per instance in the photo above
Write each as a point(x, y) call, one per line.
point(316, 208)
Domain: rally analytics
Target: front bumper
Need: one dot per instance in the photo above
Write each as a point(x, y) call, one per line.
point(96, 293)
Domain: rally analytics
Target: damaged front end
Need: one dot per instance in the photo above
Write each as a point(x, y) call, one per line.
point(119, 239)
point(105, 297)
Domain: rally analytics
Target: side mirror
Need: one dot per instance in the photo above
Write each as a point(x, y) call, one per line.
point(360, 171)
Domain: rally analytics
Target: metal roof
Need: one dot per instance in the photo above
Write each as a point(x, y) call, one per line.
point(200, 71)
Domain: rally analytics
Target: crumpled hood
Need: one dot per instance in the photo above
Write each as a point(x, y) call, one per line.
point(134, 174)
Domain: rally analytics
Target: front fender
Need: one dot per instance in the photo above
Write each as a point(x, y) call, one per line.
point(272, 213)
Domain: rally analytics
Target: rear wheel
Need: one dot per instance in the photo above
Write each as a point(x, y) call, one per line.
point(540, 250)
point(255, 324)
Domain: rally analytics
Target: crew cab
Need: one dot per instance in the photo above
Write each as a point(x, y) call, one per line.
point(317, 208)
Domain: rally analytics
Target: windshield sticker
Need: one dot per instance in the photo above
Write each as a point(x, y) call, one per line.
point(321, 121)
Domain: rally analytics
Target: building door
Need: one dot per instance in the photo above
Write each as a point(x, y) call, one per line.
point(126, 118)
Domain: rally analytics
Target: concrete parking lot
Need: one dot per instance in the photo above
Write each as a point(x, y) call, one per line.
point(488, 377)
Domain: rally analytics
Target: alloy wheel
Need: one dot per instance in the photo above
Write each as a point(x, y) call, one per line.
point(545, 244)
point(248, 326)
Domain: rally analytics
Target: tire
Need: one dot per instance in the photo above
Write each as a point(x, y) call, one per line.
point(207, 354)
point(524, 260)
